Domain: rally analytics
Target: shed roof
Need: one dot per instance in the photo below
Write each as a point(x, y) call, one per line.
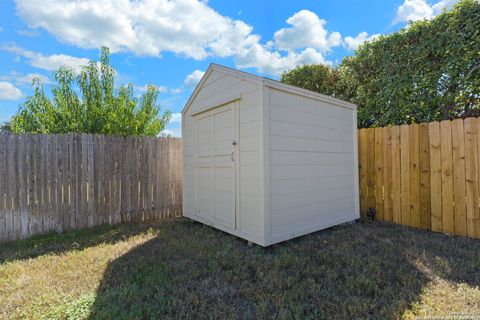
point(265, 82)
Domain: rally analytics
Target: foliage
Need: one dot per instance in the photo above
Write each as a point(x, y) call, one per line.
point(99, 108)
point(6, 127)
point(319, 78)
point(427, 71)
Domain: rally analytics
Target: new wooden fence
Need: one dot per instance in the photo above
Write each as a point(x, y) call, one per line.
point(60, 182)
point(423, 175)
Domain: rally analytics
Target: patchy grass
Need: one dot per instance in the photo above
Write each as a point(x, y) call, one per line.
point(180, 269)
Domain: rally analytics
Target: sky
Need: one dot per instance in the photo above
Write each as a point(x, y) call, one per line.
point(170, 43)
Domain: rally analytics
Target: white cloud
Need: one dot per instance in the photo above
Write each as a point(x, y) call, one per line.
point(443, 4)
point(193, 78)
point(272, 62)
point(352, 43)
point(189, 28)
point(307, 30)
point(28, 32)
point(173, 132)
point(161, 89)
point(413, 10)
point(28, 78)
point(50, 63)
point(175, 90)
point(306, 42)
point(144, 88)
point(9, 92)
point(176, 118)
point(23, 79)
point(186, 27)
point(234, 40)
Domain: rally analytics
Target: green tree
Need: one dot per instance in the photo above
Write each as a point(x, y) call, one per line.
point(97, 108)
point(427, 71)
point(319, 78)
point(332, 81)
point(6, 127)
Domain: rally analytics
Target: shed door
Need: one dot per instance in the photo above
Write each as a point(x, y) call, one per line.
point(215, 165)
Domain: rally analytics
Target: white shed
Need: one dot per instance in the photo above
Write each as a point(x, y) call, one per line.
point(266, 161)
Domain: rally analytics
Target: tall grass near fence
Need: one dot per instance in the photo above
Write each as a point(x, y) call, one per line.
point(423, 175)
point(68, 181)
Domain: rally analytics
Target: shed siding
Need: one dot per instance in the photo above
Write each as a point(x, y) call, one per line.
point(312, 164)
point(218, 88)
point(188, 184)
point(251, 216)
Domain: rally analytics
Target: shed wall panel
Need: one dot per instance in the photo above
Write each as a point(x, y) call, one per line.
point(312, 165)
point(251, 214)
point(220, 87)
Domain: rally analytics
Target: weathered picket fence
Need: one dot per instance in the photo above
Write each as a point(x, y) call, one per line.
point(67, 181)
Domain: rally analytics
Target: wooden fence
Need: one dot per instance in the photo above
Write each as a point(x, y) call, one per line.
point(423, 175)
point(60, 182)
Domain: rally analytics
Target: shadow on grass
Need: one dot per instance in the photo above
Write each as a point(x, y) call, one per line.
point(355, 271)
point(70, 240)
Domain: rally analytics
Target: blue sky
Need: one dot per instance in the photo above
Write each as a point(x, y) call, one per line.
point(170, 43)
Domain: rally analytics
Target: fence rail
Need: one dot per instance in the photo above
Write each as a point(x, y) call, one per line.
point(60, 182)
point(423, 175)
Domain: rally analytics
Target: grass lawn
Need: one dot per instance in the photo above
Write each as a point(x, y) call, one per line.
point(180, 269)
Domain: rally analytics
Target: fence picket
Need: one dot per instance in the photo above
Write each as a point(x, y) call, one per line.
point(379, 172)
point(8, 212)
point(371, 168)
point(29, 191)
point(471, 173)
point(447, 177)
point(17, 222)
point(405, 173)
point(387, 174)
point(435, 177)
point(23, 187)
point(65, 182)
point(414, 154)
point(160, 190)
point(38, 221)
point(60, 182)
point(12, 187)
point(476, 217)
point(396, 176)
point(362, 170)
point(3, 142)
point(72, 180)
point(179, 176)
point(115, 184)
point(425, 208)
point(458, 148)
